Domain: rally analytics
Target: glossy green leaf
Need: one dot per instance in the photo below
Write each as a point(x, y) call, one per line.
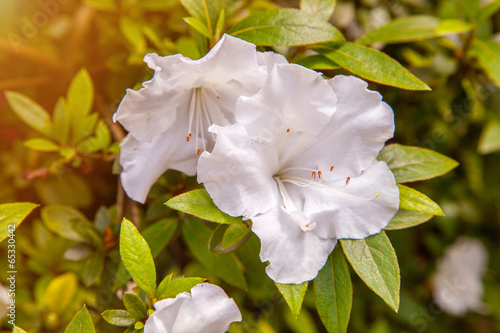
point(92, 268)
point(225, 266)
point(199, 204)
point(487, 53)
point(135, 306)
point(198, 26)
point(159, 234)
point(81, 323)
point(285, 27)
point(490, 138)
point(60, 220)
point(371, 64)
point(375, 262)
point(171, 288)
point(60, 292)
point(486, 11)
point(413, 200)
point(316, 61)
point(30, 112)
point(41, 145)
point(204, 11)
point(320, 8)
point(333, 290)
point(410, 164)
point(100, 141)
point(118, 317)
point(12, 214)
point(137, 258)
point(294, 295)
point(413, 28)
point(406, 219)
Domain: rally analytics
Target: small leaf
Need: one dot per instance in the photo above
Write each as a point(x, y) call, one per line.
point(489, 141)
point(285, 27)
point(30, 112)
point(413, 200)
point(333, 290)
point(84, 127)
point(80, 96)
point(92, 269)
point(60, 292)
point(59, 219)
point(135, 306)
point(159, 234)
point(100, 141)
point(293, 295)
point(81, 323)
point(375, 262)
point(118, 317)
point(320, 8)
point(219, 27)
point(410, 164)
point(225, 266)
point(199, 204)
point(487, 53)
point(234, 235)
point(41, 145)
point(170, 289)
point(198, 26)
point(406, 219)
point(317, 61)
point(11, 215)
point(370, 64)
point(486, 11)
point(137, 258)
point(61, 122)
point(203, 10)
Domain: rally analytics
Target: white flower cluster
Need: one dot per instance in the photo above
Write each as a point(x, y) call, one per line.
point(271, 141)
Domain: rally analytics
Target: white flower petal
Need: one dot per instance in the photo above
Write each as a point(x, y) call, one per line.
point(144, 162)
point(269, 59)
point(238, 173)
point(206, 310)
point(294, 255)
point(353, 210)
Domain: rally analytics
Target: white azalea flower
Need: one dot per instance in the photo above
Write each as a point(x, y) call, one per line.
point(206, 310)
point(300, 162)
point(457, 282)
point(168, 119)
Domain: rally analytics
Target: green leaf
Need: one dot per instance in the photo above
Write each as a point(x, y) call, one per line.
point(413, 200)
point(371, 64)
point(12, 214)
point(84, 127)
point(131, 30)
point(204, 11)
point(81, 323)
point(413, 28)
point(198, 26)
point(30, 112)
point(135, 306)
point(333, 290)
point(317, 61)
point(18, 330)
point(375, 262)
point(92, 268)
point(234, 235)
point(470, 9)
point(285, 27)
point(60, 220)
point(225, 266)
point(293, 295)
point(60, 292)
point(199, 204)
point(406, 219)
point(80, 96)
point(171, 288)
point(486, 11)
point(61, 122)
point(487, 53)
point(41, 145)
point(137, 258)
point(118, 317)
point(219, 27)
point(100, 141)
point(320, 8)
point(410, 164)
point(159, 234)
point(490, 138)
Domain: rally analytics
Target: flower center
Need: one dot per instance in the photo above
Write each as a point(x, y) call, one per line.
point(199, 117)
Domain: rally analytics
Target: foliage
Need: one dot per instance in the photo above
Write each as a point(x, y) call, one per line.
point(436, 63)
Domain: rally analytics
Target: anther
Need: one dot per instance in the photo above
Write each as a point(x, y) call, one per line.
point(187, 137)
point(348, 180)
point(288, 130)
point(319, 174)
point(198, 151)
point(377, 194)
point(314, 174)
point(331, 168)
point(307, 225)
point(218, 97)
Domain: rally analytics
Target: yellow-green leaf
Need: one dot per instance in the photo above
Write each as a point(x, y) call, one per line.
point(413, 200)
point(81, 323)
point(41, 145)
point(60, 292)
point(294, 295)
point(30, 112)
point(11, 215)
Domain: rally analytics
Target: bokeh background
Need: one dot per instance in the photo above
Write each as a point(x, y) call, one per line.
point(43, 44)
